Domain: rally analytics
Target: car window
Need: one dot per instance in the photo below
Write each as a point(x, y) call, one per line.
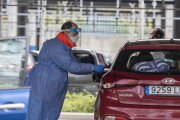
point(84, 58)
point(12, 62)
point(101, 60)
point(152, 62)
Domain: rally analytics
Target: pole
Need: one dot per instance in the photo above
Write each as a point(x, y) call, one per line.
point(43, 14)
point(1, 2)
point(117, 14)
point(176, 23)
point(117, 8)
point(81, 7)
point(154, 4)
point(163, 22)
point(65, 10)
point(132, 5)
point(91, 14)
point(141, 19)
point(38, 25)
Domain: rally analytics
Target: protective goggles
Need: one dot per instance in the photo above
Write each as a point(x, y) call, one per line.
point(74, 35)
point(72, 30)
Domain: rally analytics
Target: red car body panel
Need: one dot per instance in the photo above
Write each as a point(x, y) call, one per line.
point(109, 105)
point(138, 91)
point(131, 102)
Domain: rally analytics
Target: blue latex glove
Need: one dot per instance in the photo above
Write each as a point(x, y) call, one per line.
point(98, 68)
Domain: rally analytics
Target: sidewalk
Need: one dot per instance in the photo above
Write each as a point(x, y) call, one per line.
point(76, 116)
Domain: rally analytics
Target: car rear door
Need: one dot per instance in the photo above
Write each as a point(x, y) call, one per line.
point(14, 98)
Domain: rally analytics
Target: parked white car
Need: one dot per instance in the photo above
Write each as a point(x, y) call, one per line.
point(77, 83)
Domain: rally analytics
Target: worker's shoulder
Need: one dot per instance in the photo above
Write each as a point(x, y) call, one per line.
point(58, 44)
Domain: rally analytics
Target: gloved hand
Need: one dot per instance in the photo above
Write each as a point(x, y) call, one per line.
point(98, 68)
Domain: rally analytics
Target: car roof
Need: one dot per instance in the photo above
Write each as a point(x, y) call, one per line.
point(84, 49)
point(99, 52)
point(35, 51)
point(153, 44)
point(76, 48)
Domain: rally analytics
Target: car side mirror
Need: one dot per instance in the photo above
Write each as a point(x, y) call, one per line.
point(97, 77)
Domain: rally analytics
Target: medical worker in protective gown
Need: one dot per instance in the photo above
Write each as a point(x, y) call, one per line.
point(49, 79)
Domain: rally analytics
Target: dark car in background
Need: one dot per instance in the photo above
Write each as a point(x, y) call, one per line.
point(128, 94)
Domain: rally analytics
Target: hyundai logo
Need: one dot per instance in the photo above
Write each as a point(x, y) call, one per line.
point(168, 81)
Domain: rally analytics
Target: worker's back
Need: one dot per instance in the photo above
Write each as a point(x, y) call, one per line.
point(48, 81)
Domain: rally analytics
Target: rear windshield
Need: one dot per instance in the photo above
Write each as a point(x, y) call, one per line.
point(84, 58)
point(148, 62)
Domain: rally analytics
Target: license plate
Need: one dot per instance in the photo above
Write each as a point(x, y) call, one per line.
point(75, 89)
point(154, 90)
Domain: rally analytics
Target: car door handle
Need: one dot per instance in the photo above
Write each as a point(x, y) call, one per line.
point(12, 106)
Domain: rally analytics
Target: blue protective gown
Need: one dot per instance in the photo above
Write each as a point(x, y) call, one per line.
point(49, 80)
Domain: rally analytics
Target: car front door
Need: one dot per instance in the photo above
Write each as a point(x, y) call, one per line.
point(77, 83)
point(14, 98)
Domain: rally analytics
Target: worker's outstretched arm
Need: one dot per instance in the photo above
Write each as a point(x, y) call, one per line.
point(63, 60)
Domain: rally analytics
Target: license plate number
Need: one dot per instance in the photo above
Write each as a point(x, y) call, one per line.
point(162, 90)
point(75, 89)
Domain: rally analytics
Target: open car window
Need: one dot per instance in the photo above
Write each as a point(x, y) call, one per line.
point(13, 61)
point(150, 62)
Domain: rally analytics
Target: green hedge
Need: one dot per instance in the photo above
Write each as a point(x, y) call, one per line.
point(79, 103)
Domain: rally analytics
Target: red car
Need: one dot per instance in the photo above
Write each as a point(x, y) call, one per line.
point(128, 93)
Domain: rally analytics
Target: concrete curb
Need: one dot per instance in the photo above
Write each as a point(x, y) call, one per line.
point(76, 116)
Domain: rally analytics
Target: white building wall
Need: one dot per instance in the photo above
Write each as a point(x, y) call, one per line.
point(108, 45)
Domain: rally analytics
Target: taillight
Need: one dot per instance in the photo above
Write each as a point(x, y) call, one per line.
point(110, 81)
point(114, 118)
point(126, 81)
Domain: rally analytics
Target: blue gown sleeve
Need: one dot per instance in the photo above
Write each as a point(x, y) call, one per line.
point(63, 60)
